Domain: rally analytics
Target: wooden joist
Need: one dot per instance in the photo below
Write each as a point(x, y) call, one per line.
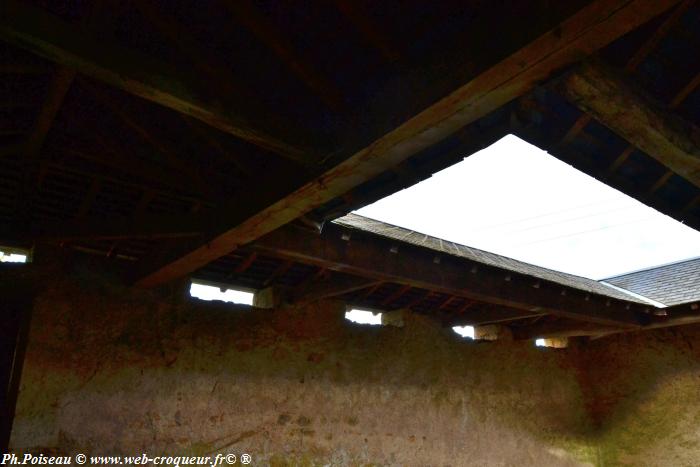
point(370, 256)
point(39, 32)
point(611, 100)
point(592, 28)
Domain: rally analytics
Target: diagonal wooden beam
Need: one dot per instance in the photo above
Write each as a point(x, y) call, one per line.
point(685, 91)
point(369, 29)
point(370, 256)
point(593, 27)
point(332, 287)
point(58, 89)
point(616, 104)
point(39, 32)
point(60, 84)
point(492, 316)
point(247, 14)
point(636, 60)
point(203, 180)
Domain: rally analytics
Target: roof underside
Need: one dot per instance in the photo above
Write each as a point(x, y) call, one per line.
point(170, 137)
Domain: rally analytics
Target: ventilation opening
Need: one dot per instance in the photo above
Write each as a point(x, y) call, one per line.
point(464, 331)
point(223, 293)
point(554, 342)
point(360, 316)
point(13, 255)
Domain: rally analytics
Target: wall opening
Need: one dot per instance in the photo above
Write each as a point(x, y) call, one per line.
point(464, 331)
point(553, 342)
point(221, 292)
point(364, 316)
point(13, 255)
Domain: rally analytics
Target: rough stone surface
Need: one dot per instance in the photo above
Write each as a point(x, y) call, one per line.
point(111, 370)
point(643, 393)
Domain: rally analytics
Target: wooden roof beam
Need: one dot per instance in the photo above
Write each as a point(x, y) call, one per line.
point(634, 62)
point(677, 315)
point(616, 104)
point(370, 256)
point(592, 28)
point(48, 36)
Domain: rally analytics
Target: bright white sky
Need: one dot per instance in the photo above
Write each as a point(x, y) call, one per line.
point(518, 201)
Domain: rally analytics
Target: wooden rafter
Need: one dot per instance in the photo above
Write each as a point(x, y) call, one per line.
point(492, 315)
point(58, 89)
point(614, 103)
point(195, 53)
point(677, 315)
point(60, 84)
point(400, 292)
point(369, 29)
point(48, 36)
point(595, 26)
point(636, 60)
point(370, 256)
point(685, 91)
point(278, 272)
point(247, 14)
point(165, 151)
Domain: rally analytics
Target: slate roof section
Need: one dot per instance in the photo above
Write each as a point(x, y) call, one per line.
point(672, 284)
point(366, 224)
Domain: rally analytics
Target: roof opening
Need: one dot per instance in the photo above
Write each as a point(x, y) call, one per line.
point(516, 200)
point(224, 293)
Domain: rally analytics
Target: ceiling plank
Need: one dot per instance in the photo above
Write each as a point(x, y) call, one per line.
point(593, 27)
point(615, 104)
point(370, 256)
point(48, 36)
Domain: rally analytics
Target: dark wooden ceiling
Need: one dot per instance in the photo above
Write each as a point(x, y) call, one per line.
point(145, 131)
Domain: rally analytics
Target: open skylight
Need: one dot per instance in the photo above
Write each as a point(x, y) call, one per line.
point(516, 200)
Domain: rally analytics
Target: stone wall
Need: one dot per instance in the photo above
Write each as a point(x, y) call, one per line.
point(111, 370)
point(643, 394)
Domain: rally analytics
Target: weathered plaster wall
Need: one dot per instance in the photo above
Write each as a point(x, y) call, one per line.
point(643, 392)
point(112, 370)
